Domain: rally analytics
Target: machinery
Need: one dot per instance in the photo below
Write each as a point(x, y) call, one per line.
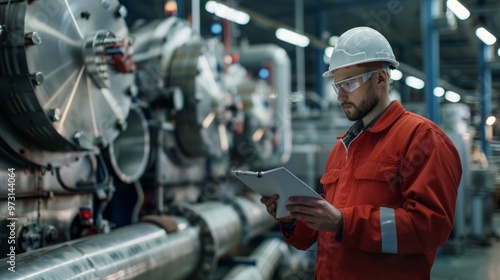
point(116, 145)
point(118, 138)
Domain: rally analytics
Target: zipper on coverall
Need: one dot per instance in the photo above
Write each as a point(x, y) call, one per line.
point(347, 147)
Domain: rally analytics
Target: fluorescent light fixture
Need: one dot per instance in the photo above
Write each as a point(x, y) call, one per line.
point(491, 120)
point(485, 36)
point(438, 91)
point(452, 96)
point(226, 12)
point(396, 75)
point(458, 9)
point(414, 82)
point(292, 37)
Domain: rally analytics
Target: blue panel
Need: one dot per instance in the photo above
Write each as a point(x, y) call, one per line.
point(486, 88)
point(404, 90)
point(320, 64)
point(430, 38)
point(181, 9)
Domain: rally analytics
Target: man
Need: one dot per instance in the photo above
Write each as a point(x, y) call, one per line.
point(390, 183)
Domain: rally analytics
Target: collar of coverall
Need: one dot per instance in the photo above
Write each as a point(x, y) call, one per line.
point(386, 119)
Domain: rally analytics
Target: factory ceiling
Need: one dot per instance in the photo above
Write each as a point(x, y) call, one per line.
point(399, 20)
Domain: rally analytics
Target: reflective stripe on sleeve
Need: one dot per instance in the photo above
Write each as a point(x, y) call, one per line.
point(388, 231)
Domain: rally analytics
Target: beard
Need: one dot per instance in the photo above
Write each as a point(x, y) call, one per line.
point(357, 112)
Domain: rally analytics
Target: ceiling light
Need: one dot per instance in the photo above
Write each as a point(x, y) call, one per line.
point(332, 41)
point(264, 73)
point(458, 9)
point(452, 96)
point(329, 51)
point(292, 37)
point(491, 120)
point(327, 54)
point(485, 36)
point(396, 75)
point(216, 28)
point(226, 12)
point(414, 82)
point(438, 91)
point(170, 7)
point(498, 52)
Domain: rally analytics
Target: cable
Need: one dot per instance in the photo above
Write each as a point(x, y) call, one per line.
point(102, 172)
point(140, 201)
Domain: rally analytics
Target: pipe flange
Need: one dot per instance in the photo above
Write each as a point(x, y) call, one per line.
point(236, 203)
point(208, 257)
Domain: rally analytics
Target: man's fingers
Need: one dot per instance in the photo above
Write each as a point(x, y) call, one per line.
point(270, 203)
point(271, 209)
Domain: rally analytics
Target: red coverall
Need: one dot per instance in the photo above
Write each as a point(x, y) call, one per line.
point(396, 186)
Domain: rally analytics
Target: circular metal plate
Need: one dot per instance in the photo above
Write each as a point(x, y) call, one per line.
point(50, 95)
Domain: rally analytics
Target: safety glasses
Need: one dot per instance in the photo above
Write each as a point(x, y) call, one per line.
point(351, 84)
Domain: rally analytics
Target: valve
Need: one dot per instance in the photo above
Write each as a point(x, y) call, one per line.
point(29, 238)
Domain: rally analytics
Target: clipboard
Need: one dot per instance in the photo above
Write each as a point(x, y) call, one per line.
point(276, 181)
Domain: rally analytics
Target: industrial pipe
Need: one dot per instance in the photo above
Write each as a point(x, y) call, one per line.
point(265, 259)
point(139, 251)
point(257, 56)
point(151, 249)
point(253, 214)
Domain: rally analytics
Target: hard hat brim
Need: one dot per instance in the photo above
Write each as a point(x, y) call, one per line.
point(392, 63)
point(328, 73)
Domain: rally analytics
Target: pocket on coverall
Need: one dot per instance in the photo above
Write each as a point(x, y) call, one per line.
point(376, 182)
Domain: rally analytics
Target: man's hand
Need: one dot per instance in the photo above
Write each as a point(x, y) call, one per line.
point(270, 203)
point(316, 214)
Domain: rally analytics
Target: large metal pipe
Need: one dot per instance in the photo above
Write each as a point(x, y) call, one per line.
point(205, 232)
point(257, 56)
point(218, 222)
point(266, 259)
point(139, 251)
point(253, 214)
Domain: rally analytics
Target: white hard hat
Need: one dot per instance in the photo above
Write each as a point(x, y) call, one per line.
point(360, 45)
